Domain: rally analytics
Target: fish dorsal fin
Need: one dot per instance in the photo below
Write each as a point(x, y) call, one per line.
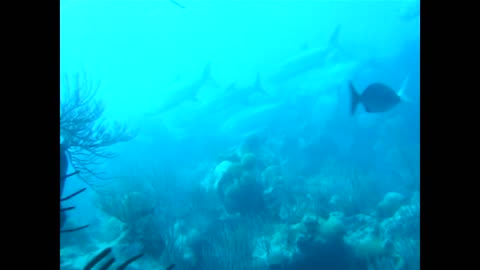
point(207, 72)
point(333, 41)
point(401, 91)
point(207, 78)
point(259, 85)
point(177, 4)
point(334, 44)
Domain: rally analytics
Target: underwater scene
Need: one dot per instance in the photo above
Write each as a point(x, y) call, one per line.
point(240, 134)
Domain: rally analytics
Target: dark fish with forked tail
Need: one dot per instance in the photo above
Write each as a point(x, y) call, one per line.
point(376, 98)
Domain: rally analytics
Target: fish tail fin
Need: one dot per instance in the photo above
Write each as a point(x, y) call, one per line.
point(401, 92)
point(355, 98)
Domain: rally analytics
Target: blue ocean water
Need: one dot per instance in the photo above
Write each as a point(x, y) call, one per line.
point(218, 135)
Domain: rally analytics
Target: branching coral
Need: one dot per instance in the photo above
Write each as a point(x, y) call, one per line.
point(128, 199)
point(135, 202)
point(172, 251)
point(232, 247)
point(84, 129)
point(343, 187)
